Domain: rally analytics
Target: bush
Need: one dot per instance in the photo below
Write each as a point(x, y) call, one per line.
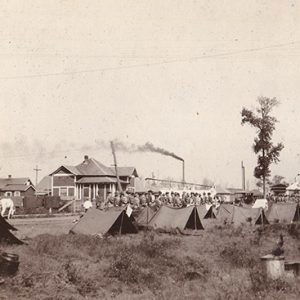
point(221, 263)
point(76, 276)
point(143, 264)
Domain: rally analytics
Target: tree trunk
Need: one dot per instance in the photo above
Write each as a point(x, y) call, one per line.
point(264, 176)
point(264, 186)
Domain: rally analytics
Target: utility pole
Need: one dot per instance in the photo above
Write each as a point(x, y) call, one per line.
point(243, 177)
point(116, 166)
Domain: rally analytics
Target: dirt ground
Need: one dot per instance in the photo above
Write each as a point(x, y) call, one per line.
point(32, 227)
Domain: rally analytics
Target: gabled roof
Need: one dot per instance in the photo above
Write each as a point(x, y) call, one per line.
point(12, 180)
point(69, 169)
point(279, 185)
point(72, 169)
point(93, 167)
point(126, 171)
point(44, 184)
point(89, 167)
point(17, 187)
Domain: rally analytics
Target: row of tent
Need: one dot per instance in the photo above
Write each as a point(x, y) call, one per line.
point(184, 220)
point(188, 220)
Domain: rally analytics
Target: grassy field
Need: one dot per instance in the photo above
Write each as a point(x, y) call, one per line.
point(221, 263)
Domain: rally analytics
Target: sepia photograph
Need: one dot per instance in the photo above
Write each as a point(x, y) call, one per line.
point(149, 149)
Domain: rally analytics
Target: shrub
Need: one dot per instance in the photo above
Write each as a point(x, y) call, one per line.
point(221, 263)
point(142, 264)
point(153, 248)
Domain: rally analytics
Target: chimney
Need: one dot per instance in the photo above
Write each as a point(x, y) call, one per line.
point(9, 176)
point(86, 158)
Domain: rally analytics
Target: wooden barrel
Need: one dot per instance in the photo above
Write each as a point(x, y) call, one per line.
point(9, 264)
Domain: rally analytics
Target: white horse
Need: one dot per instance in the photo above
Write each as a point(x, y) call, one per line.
point(7, 203)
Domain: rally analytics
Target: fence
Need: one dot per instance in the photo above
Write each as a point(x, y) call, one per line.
point(42, 201)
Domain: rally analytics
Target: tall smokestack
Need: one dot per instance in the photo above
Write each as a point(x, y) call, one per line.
point(183, 172)
point(243, 177)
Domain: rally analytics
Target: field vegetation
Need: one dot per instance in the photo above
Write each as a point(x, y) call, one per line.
point(221, 263)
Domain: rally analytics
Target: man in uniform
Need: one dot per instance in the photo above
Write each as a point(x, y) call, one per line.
point(110, 200)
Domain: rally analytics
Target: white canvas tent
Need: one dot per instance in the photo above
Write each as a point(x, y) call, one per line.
point(263, 203)
point(292, 188)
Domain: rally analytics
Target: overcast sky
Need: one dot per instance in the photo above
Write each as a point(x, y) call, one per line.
point(174, 73)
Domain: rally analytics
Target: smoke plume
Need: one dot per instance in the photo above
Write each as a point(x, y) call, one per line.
point(147, 147)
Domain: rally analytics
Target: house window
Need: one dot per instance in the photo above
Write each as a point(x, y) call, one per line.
point(8, 194)
point(63, 191)
point(86, 192)
point(55, 191)
point(71, 192)
point(17, 194)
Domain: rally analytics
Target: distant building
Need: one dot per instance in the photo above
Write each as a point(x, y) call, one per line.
point(278, 189)
point(88, 179)
point(16, 187)
point(126, 174)
point(164, 185)
point(44, 186)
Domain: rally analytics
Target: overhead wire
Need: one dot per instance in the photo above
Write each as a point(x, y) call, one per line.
point(164, 62)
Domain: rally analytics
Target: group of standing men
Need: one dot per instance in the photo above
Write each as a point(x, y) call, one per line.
point(154, 200)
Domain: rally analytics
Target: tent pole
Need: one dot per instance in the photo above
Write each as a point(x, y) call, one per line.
point(195, 217)
point(120, 231)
